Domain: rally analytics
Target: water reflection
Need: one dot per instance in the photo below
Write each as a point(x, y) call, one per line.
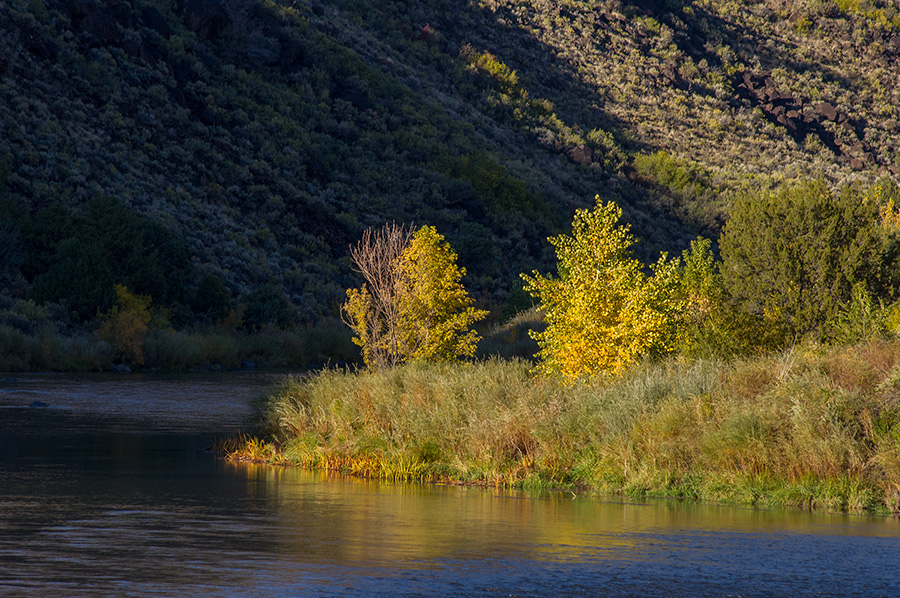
point(99, 496)
point(376, 522)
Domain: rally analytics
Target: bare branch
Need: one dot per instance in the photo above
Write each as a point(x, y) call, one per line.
point(377, 256)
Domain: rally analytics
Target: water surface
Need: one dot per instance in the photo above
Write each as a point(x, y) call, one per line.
point(110, 491)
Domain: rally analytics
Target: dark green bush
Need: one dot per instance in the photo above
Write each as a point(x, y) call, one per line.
point(212, 298)
point(791, 257)
point(268, 305)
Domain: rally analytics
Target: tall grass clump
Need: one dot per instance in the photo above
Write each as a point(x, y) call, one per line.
point(48, 350)
point(512, 338)
point(811, 427)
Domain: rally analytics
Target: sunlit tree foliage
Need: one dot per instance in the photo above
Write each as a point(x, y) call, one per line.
point(603, 311)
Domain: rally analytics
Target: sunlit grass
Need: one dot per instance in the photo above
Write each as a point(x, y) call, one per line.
point(813, 427)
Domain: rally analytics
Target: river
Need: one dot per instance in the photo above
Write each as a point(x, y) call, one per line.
point(110, 491)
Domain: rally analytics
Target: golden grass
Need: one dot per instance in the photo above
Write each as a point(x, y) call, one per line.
point(809, 428)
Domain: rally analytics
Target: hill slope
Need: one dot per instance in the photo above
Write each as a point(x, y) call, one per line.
point(253, 140)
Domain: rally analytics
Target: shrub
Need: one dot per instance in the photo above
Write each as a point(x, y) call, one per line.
point(791, 258)
point(212, 298)
point(126, 325)
point(268, 304)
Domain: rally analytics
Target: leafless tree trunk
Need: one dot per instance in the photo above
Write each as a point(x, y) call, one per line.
point(377, 257)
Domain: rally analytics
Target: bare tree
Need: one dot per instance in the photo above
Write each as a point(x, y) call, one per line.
point(373, 311)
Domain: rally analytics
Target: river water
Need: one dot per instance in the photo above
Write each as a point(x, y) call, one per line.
point(110, 491)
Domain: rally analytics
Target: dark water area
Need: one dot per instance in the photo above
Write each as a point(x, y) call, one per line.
point(110, 491)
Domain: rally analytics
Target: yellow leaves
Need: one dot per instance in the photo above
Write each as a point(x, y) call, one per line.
point(435, 309)
point(890, 216)
point(126, 324)
point(603, 312)
point(428, 312)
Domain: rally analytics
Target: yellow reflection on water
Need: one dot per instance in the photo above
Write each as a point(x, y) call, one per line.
point(335, 518)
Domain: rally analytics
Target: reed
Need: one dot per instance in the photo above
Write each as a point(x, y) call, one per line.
point(814, 427)
point(44, 348)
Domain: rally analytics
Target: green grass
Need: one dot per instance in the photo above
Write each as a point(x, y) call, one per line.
point(811, 428)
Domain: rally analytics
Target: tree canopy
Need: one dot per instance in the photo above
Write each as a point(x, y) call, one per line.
point(602, 311)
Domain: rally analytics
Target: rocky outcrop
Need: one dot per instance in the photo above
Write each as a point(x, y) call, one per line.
point(581, 154)
point(207, 18)
point(101, 27)
point(802, 118)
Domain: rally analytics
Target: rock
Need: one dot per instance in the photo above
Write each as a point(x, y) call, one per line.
point(673, 77)
point(207, 18)
point(154, 20)
point(895, 169)
point(893, 44)
point(772, 94)
point(39, 405)
point(581, 155)
point(122, 369)
point(43, 48)
point(826, 110)
point(856, 164)
point(748, 80)
point(101, 26)
point(792, 114)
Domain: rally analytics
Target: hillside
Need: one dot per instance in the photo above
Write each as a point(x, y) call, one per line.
point(186, 147)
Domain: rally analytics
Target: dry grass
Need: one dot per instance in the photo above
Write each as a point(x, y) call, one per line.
point(809, 428)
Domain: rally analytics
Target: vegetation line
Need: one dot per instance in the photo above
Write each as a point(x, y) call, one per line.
point(812, 427)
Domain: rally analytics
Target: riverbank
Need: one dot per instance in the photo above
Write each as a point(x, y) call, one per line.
point(813, 427)
point(207, 348)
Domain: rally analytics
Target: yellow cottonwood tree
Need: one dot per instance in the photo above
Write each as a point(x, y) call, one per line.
point(602, 311)
point(435, 310)
point(413, 305)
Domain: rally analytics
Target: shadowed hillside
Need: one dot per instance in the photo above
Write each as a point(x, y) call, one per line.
point(245, 144)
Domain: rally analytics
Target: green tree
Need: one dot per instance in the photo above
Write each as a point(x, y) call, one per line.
point(80, 277)
point(707, 327)
point(10, 251)
point(77, 255)
point(602, 311)
point(212, 298)
point(413, 305)
point(791, 258)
